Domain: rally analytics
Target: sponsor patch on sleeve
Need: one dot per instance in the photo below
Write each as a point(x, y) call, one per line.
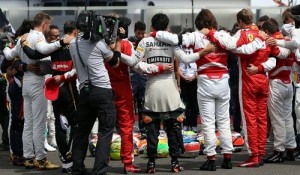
point(139, 51)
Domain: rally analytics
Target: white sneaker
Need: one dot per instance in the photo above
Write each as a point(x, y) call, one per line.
point(52, 142)
point(49, 147)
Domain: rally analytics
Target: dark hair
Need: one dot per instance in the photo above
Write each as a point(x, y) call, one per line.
point(187, 30)
point(24, 28)
point(263, 18)
point(295, 10)
point(53, 27)
point(223, 28)
point(235, 28)
point(40, 18)
point(160, 21)
point(125, 23)
point(205, 19)
point(69, 26)
point(245, 15)
point(286, 15)
point(271, 25)
point(139, 26)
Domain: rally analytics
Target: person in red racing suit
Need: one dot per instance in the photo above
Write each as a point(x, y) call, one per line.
point(121, 84)
point(253, 88)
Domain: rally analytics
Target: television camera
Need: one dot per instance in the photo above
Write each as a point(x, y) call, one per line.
point(6, 37)
point(96, 27)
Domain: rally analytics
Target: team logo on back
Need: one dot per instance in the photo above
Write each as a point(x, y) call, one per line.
point(250, 37)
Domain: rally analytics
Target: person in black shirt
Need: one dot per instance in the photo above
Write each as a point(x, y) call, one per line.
point(138, 81)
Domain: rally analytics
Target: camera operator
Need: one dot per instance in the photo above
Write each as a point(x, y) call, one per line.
point(96, 99)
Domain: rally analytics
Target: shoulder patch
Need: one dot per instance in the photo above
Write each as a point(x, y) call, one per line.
point(139, 49)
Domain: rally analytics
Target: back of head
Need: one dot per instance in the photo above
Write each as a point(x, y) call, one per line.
point(271, 25)
point(295, 10)
point(24, 28)
point(245, 16)
point(139, 26)
point(69, 27)
point(261, 21)
point(124, 22)
point(160, 21)
point(263, 18)
point(41, 18)
point(234, 28)
point(287, 16)
point(53, 27)
point(205, 19)
point(187, 30)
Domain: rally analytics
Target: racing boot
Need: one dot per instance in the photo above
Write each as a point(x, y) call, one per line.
point(44, 164)
point(18, 161)
point(276, 157)
point(289, 155)
point(31, 163)
point(226, 164)
point(261, 160)
point(131, 168)
point(209, 165)
point(175, 166)
point(150, 167)
point(67, 163)
point(251, 162)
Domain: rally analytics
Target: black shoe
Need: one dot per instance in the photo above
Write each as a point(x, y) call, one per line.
point(66, 170)
point(261, 163)
point(297, 153)
point(175, 167)
point(80, 171)
point(209, 165)
point(226, 163)
point(150, 168)
point(276, 157)
point(143, 136)
point(261, 160)
point(83, 173)
point(289, 155)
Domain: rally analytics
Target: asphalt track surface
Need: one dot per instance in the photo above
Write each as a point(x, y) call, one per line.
point(191, 166)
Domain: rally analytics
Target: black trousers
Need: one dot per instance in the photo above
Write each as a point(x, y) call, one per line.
point(98, 104)
point(189, 98)
point(4, 115)
point(64, 105)
point(235, 110)
point(17, 120)
point(138, 83)
point(173, 130)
